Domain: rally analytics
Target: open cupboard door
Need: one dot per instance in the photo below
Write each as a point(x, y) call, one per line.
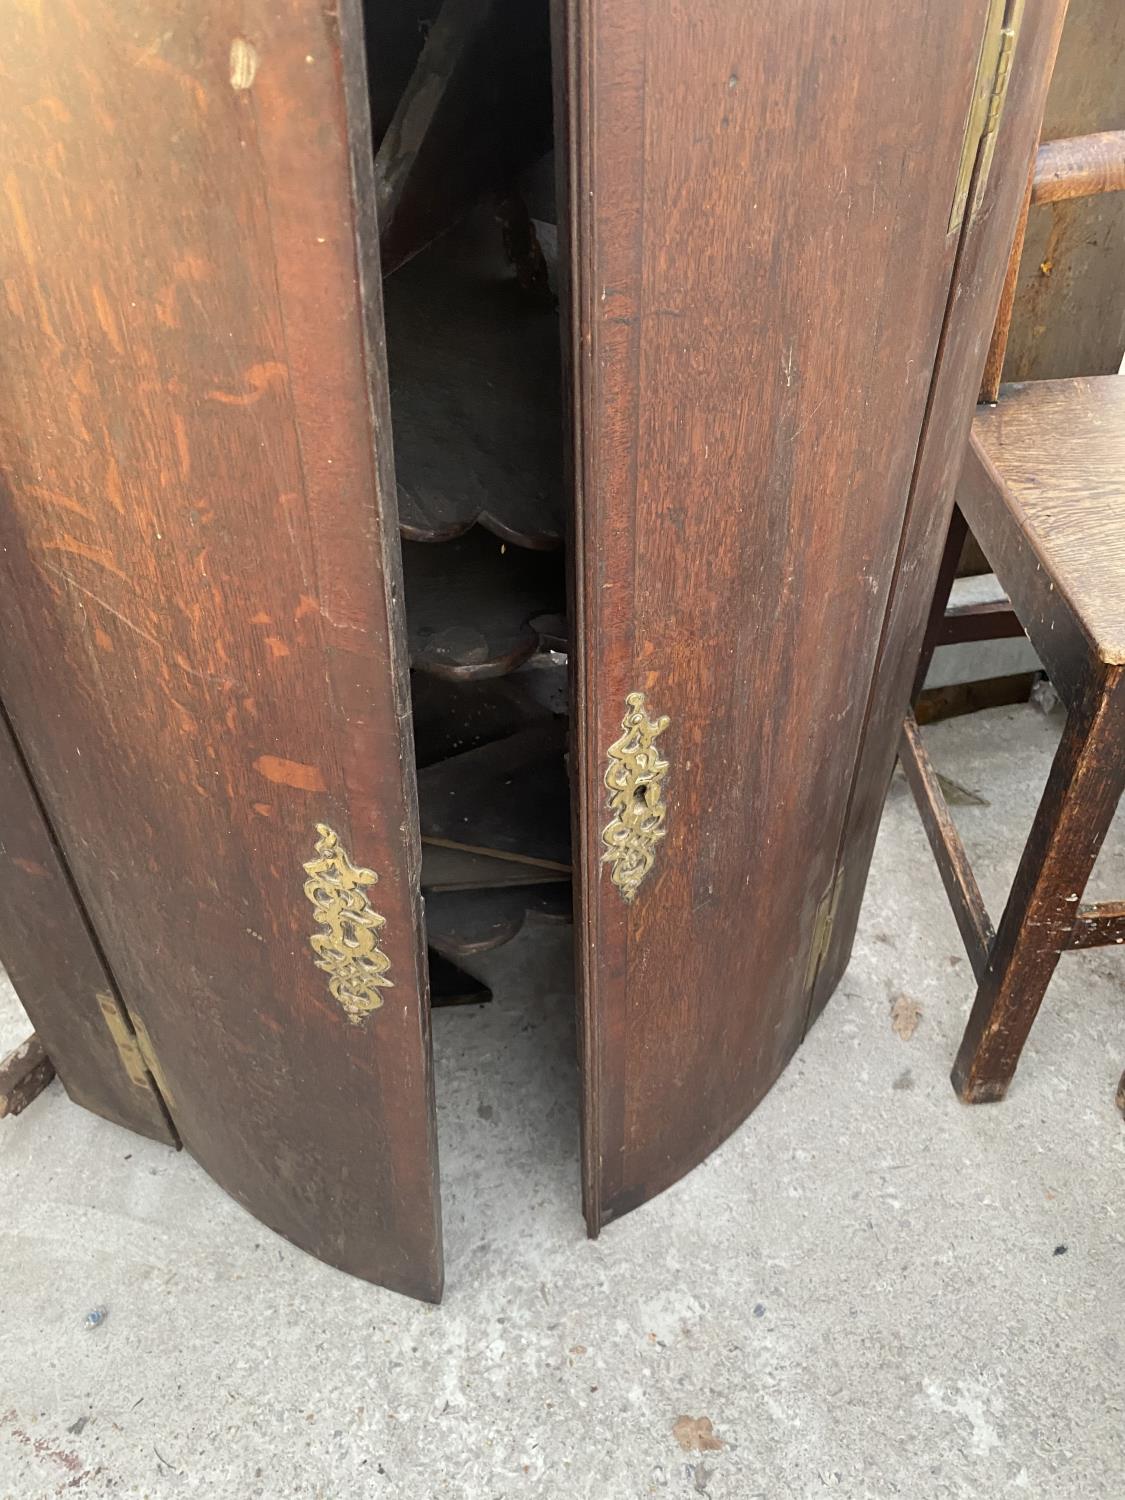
point(202, 661)
point(768, 205)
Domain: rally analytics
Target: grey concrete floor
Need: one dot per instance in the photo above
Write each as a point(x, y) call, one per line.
point(869, 1291)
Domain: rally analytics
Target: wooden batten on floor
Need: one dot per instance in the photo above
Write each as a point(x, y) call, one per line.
point(971, 697)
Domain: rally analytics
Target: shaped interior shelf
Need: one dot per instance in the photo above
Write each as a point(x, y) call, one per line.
point(477, 608)
point(474, 366)
point(461, 923)
point(450, 985)
point(448, 869)
point(452, 717)
point(507, 800)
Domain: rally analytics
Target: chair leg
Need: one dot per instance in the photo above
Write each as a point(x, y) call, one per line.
point(1074, 814)
point(947, 572)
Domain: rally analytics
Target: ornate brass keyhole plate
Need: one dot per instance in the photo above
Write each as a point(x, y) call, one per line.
point(347, 948)
point(634, 779)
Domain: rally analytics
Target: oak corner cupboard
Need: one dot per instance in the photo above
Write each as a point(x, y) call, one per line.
point(464, 461)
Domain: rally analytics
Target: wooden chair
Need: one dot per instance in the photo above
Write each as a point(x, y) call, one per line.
point(1043, 490)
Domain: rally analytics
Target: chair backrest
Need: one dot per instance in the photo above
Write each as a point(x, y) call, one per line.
point(1077, 168)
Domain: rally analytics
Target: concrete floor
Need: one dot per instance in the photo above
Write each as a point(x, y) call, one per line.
point(869, 1291)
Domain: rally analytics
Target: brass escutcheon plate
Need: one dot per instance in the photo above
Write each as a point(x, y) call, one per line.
point(347, 947)
point(634, 779)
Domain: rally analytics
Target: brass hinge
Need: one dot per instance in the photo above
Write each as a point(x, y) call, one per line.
point(133, 1044)
point(822, 927)
point(994, 69)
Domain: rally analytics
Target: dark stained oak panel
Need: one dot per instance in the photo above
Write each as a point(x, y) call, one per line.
point(204, 625)
point(199, 579)
point(761, 265)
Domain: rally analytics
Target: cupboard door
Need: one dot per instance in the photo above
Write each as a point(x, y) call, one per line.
point(762, 248)
point(52, 959)
point(199, 589)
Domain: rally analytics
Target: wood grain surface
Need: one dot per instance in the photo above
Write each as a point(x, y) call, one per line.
point(1099, 926)
point(1079, 168)
point(1062, 643)
point(203, 657)
point(1057, 452)
point(998, 344)
point(977, 285)
point(758, 230)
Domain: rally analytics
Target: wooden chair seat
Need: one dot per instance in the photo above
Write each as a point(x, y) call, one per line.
point(1044, 492)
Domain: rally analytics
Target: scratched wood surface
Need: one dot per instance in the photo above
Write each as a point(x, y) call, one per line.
point(52, 959)
point(759, 233)
point(199, 560)
point(976, 293)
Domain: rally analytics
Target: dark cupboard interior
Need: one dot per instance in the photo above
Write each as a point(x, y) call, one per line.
point(461, 107)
